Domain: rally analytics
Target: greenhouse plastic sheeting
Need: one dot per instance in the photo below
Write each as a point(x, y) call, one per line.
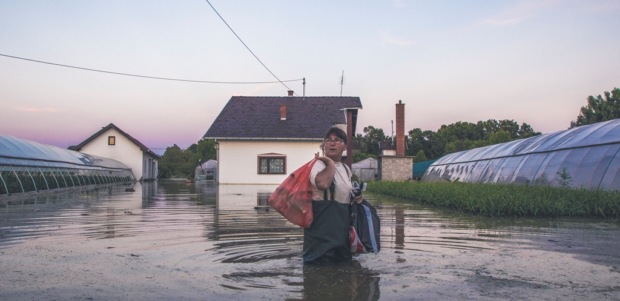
point(581, 157)
point(14, 151)
point(27, 166)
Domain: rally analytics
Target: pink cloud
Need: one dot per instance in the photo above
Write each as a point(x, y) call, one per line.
point(37, 109)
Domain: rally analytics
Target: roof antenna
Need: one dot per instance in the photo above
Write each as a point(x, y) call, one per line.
point(304, 86)
point(341, 82)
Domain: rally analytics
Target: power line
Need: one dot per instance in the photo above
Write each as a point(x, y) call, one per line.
point(146, 76)
point(246, 46)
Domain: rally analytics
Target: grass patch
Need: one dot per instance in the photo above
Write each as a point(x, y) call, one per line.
point(506, 200)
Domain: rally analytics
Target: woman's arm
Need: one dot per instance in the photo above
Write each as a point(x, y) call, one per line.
point(325, 177)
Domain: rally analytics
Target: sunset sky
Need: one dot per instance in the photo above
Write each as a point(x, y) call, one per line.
point(528, 61)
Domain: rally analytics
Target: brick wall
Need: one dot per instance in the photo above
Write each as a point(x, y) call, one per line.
point(395, 168)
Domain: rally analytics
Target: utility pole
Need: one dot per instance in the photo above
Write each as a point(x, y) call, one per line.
point(341, 82)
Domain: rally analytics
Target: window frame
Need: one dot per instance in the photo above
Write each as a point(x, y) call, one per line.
point(111, 140)
point(269, 158)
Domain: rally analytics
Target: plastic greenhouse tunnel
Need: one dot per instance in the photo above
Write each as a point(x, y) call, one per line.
point(27, 166)
point(581, 157)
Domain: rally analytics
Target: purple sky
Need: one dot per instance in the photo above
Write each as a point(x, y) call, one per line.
point(448, 61)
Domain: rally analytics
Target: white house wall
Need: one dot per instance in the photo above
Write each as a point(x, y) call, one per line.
point(238, 160)
point(124, 151)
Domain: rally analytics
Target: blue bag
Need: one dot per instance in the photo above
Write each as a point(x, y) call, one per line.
point(366, 225)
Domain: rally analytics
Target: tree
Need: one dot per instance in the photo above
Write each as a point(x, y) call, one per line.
point(203, 151)
point(416, 142)
point(491, 126)
point(487, 127)
point(426, 141)
point(509, 126)
point(527, 131)
point(599, 109)
point(359, 156)
point(459, 136)
point(173, 157)
point(182, 163)
point(369, 142)
point(500, 136)
point(420, 157)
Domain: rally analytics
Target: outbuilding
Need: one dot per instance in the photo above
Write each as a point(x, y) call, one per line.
point(112, 142)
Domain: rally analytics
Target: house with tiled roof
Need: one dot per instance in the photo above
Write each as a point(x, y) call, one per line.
point(112, 142)
point(260, 140)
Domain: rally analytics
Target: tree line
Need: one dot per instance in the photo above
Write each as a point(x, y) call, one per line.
point(427, 145)
point(179, 163)
point(423, 145)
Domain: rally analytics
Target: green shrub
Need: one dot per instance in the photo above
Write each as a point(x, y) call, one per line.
point(506, 200)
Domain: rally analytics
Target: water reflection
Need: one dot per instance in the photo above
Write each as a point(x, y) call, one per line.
point(349, 281)
point(229, 235)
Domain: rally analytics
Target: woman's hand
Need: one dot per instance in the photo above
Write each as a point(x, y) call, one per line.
point(325, 160)
point(358, 199)
point(325, 177)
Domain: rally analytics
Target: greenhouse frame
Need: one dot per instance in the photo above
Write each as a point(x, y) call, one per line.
point(581, 157)
point(27, 166)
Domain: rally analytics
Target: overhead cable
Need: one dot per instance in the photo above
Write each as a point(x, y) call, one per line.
point(246, 46)
point(146, 76)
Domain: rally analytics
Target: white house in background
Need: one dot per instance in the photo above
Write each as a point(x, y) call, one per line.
point(111, 142)
point(261, 140)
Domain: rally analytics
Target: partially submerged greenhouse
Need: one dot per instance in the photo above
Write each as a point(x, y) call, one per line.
point(581, 157)
point(206, 171)
point(27, 166)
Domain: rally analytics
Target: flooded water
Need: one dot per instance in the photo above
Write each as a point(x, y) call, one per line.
point(175, 241)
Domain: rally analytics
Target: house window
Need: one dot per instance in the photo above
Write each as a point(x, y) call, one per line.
point(271, 164)
point(111, 140)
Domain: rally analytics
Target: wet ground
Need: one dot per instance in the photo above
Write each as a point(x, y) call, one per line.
point(176, 241)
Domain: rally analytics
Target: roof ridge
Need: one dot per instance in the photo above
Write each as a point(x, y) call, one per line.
point(113, 126)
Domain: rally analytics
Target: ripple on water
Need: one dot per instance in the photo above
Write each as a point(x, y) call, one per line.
point(232, 239)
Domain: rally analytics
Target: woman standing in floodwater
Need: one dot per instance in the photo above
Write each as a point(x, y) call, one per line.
point(331, 180)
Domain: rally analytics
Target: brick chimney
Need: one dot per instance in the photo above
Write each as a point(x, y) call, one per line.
point(291, 92)
point(282, 112)
point(400, 129)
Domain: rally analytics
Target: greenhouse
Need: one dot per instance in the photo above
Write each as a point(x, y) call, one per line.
point(27, 166)
point(581, 157)
point(206, 171)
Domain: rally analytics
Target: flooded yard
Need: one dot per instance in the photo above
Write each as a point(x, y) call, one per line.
point(171, 240)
